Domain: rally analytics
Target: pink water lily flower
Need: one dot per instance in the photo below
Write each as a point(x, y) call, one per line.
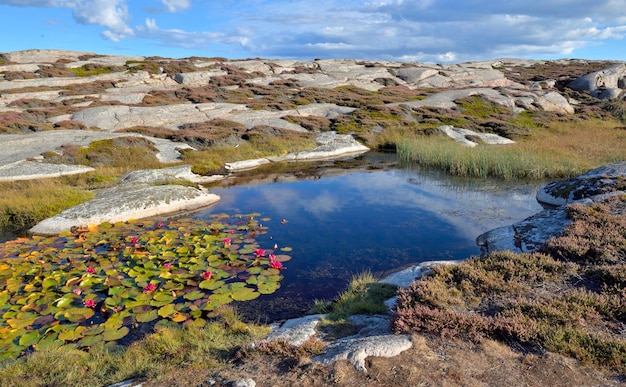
point(167, 265)
point(134, 240)
point(272, 257)
point(77, 291)
point(207, 275)
point(276, 265)
point(89, 303)
point(259, 252)
point(91, 270)
point(149, 288)
point(227, 242)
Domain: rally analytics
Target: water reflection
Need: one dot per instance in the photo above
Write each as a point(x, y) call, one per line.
point(350, 221)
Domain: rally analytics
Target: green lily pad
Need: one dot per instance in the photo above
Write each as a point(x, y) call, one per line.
point(114, 335)
point(268, 287)
point(167, 310)
point(147, 316)
point(71, 334)
point(29, 339)
point(194, 295)
point(244, 294)
point(88, 341)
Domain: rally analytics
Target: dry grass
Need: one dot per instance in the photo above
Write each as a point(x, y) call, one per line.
point(24, 203)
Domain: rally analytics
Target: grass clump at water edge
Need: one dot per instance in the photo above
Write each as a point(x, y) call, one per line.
point(506, 162)
point(363, 295)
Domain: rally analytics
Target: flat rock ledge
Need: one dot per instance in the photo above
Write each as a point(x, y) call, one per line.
point(32, 169)
point(330, 145)
point(531, 233)
point(127, 202)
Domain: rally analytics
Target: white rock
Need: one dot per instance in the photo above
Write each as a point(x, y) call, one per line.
point(127, 202)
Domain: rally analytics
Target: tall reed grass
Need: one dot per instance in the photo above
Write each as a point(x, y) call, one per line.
point(558, 151)
point(506, 162)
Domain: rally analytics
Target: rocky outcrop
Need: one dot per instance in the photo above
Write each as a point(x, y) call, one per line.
point(373, 337)
point(330, 144)
point(530, 234)
point(467, 137)
point(135, 198)
point(137, 92)
point(510, 98)
point(608, 83)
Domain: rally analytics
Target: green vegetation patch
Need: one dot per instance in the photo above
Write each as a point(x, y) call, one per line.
point(364, 295)
point(122, 152)
point(94, 288)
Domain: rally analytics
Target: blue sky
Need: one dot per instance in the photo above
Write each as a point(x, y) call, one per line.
point(440, 31)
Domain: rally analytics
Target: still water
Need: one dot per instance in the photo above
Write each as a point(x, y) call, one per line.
point(341, 222)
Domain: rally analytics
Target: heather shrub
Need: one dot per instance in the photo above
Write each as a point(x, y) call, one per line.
point(569, 299)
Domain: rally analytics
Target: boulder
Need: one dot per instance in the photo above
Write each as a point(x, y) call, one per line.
point(415, 74)
point(592, 183)
point(605, 83)
point(530, 234)
point(374, 339)
point(463, 136)
point(127, 202)
point(197, 78)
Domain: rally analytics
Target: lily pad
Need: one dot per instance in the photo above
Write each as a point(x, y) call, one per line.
point(114, 335)
point(244, 294)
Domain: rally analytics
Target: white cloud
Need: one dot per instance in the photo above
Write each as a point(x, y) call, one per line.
point(192, 40)
point(176, 5)
point(112, 14)
point(427, 30)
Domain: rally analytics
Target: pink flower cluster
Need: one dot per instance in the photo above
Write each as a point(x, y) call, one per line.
point(274, 264)
point(89, 303)
point(149, 288)
point(207, 275)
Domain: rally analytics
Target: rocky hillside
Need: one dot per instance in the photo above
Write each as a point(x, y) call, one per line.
point(64, 113)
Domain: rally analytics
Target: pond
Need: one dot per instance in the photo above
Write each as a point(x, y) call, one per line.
point(365, 215)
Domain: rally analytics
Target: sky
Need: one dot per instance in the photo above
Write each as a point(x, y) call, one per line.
point(430, 31)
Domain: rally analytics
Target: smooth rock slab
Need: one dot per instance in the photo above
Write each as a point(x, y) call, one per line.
point(123, 203)
point(460, 136)
point(525, 236)
point(297, 330)
point(169, 174)
point(30, 170)
point(404, 278)
point(357, 349)
point(594, 182)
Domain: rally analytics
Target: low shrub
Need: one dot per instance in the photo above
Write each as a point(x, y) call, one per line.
point(568, 299)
